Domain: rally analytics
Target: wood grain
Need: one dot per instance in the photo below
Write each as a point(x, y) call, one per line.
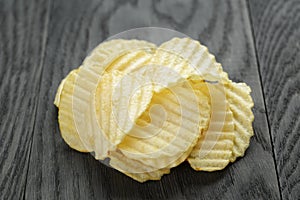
point(277, 33)
point(23, 29)
point(57, 172)
point(41, 41)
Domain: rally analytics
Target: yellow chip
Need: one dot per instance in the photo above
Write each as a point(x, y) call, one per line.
point(145, 73)
point(114, 48)
point(124, 82)
point(141, 172)
point(173, 61)
point(104, 53)
point(117, 64)
point(63, 101)
point(240, 104)
point(163, 63)
point(128, 166)
point(214, 148)
point(197, 56)
point(117, 107)
point(86, 83)
point(165, 143)
point(129, 97)
point(127, 62)
point(118, 161)
point(109, 131)
point(60, 89)
point(200, 59)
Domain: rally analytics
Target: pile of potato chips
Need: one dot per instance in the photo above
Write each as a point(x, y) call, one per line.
point(150, 108)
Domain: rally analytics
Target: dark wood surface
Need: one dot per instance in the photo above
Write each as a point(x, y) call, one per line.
point(23, 33)
point(276, 26)
point(257, 42)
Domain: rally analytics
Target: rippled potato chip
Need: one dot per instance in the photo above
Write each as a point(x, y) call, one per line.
point(104, 58)
point(240, 104)
point(214, 148)
point(63, 101)
point(104, 53)
point(107, 51)
point(134, 168)
point(118, 104)
point(197, 56)
point(148, 109)
point(169, 128)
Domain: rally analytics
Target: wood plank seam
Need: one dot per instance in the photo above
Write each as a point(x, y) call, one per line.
point(264, 100)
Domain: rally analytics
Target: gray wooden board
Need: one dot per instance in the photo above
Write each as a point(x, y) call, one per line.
point(23, 28)
point(74, 28)
point(276, 27)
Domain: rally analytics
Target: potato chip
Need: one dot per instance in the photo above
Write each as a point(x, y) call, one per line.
point(110, 132)
point(160, 143)
point(137, 87)
point(214, 148)
point(101, 58)
point(164, 63)
point(197, 56)
point(141, 172)
point(127, 166)
point(173, 61)
point(141, 76)
point(148, 109)
point(99, 55)
point(240, 104)
point(116, 105)
point(63, 101)
point(127, 62)
point(207, 155)
point(108, 50)
point(118, 161)
point(60, 89)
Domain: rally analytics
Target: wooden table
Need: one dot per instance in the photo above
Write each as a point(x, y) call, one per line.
point(256, 41)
